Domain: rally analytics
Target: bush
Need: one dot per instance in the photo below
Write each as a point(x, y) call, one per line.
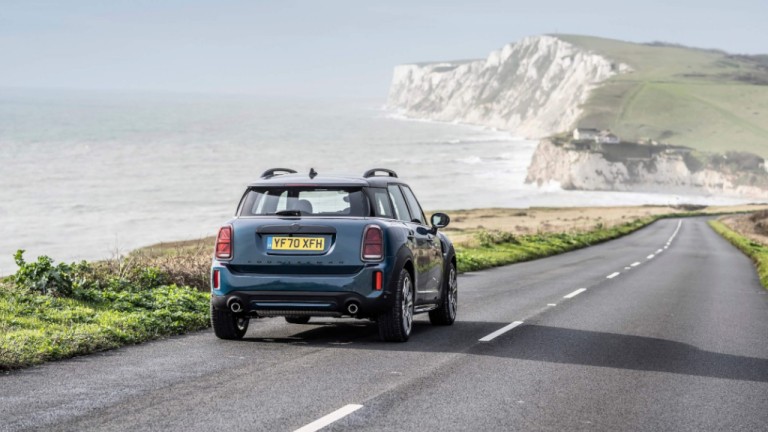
point(489, 238)
point(42, 277)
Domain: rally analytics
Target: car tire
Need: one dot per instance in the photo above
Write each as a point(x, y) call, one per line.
point(297, 319)
point(445, 314)
point(395, 324)
point(227, 325)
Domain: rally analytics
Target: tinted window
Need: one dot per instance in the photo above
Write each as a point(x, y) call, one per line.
point(413, 203)
point(398, 201)
point(381, 204)
point(310, 201)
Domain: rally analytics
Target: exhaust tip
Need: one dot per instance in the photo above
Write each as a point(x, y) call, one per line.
point(352, 308)
point(235, 305)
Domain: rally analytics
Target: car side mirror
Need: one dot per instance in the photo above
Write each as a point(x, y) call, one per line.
point(440, 220)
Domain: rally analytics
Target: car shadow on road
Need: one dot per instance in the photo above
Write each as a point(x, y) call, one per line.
point(540, 343)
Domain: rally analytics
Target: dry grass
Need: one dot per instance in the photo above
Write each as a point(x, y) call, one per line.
point(186, 263)
point(753, 226)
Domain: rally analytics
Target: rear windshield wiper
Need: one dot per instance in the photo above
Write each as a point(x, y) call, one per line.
point(288, 213)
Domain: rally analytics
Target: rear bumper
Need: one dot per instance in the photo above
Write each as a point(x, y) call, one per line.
point(261, 294)
point(302, 303)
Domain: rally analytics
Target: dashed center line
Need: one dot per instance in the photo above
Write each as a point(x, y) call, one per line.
point(330, 418)
point(500, 332)
point(575, 293)
point(650, 256)
point(635, 264)
point(613, 275)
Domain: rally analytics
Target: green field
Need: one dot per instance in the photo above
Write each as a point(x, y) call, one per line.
point(705, 99)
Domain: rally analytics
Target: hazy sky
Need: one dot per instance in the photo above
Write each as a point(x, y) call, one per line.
point(321, 48)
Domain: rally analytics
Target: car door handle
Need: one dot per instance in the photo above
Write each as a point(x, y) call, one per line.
point(430, 237)
point(410, 235)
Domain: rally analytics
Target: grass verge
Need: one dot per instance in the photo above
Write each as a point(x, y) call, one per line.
point(52, 312)
point(756, 251)
point(498, 248)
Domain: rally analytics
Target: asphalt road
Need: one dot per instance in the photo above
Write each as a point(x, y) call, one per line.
point(663, 330)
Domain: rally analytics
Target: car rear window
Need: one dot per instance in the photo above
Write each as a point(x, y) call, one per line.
point(306, 201)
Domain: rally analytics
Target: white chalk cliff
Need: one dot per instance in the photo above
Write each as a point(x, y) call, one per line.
point(660, 172)
point(533, 88)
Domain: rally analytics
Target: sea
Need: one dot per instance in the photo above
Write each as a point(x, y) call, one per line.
point(91, 175)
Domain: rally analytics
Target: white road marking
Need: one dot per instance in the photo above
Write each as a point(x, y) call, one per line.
point(551, 304)
point(650, 256)
point(330, 418)
point(500, 331)
point(635, 264)
point(613, 275)
point(627, 268)
point(575, 293)
point(658, 251)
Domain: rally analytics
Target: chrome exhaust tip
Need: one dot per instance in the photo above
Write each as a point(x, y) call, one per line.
point(235, 306)
point(352, 308)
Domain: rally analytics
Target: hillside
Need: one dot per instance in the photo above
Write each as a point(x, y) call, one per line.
point(705, 99)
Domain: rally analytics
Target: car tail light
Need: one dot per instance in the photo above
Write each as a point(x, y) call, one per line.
point(224, 243)
point(378, 280)
point(373, 244)
point(216, 279)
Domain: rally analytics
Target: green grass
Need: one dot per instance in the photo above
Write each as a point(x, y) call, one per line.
point(97, 311)
point(756, 251)
point(684, 96)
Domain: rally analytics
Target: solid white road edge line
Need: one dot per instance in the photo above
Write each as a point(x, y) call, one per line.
point(575, 293)
point(613, 275)
point(500, 331)
point(330, 418)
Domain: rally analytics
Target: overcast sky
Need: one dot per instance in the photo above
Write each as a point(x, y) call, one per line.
point(321, 48)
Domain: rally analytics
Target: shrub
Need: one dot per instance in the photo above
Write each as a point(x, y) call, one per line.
point(42, 277)
point(489, 238)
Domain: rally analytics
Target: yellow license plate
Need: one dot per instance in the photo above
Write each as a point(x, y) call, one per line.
point(296, 243)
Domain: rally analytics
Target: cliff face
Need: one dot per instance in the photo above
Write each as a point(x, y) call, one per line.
point(533, 88)
point(668, 172)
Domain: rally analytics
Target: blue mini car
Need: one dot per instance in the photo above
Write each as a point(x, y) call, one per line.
point(307, 245)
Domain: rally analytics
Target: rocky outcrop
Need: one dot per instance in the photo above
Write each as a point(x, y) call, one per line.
point(641, 168)
point(533, 88)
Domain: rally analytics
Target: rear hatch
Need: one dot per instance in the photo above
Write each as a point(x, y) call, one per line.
point(300, 230)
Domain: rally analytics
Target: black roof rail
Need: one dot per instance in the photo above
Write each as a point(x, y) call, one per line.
point(276, 172)
point(372, 172)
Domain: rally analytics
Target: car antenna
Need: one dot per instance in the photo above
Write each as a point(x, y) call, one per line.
point(312, 173)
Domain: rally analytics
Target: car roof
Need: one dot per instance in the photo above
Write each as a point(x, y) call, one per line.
point(321, 180)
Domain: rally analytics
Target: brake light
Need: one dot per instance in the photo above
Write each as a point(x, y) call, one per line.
point(216, 279)
point(224, 243)
point(373, 244)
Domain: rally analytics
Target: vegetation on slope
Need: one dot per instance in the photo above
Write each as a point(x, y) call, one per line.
point(498, 248)
point(50, 312)
point(705, 99)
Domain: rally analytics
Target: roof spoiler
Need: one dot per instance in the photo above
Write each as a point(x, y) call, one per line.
point(268, 174)
point(372, 172)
